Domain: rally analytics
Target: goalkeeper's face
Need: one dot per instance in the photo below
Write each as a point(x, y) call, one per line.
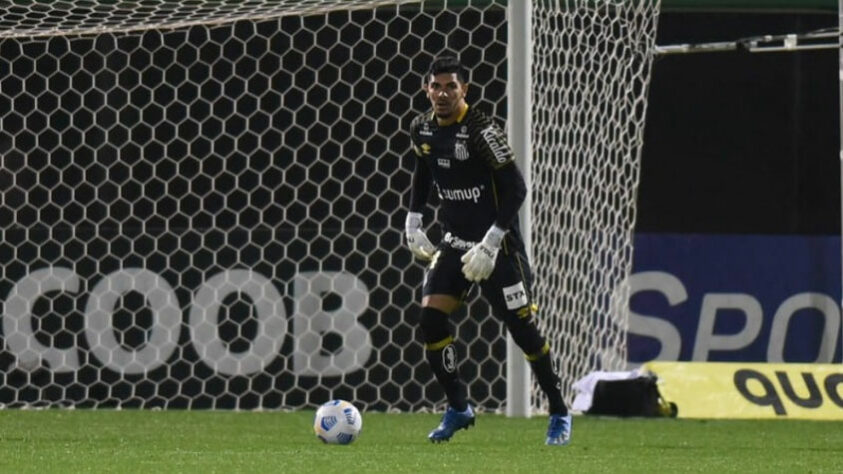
point(447, 95)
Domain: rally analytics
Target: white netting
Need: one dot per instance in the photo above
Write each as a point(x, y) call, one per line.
point(592, 62)
point(30, 18)
point(211, 216)
point(202, 202)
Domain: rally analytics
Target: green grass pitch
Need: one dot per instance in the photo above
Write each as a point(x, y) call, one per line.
point(221, 441)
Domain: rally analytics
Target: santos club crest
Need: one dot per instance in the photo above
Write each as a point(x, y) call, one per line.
point(460, 150)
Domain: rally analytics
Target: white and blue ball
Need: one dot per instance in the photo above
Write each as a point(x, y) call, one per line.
point(337, 422)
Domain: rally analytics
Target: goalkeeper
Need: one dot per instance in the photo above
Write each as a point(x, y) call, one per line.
point(467, 158)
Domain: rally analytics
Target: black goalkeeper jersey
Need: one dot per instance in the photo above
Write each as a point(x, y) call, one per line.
point(471, 167)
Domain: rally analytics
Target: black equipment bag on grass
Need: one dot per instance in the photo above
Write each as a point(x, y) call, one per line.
point(630, 397)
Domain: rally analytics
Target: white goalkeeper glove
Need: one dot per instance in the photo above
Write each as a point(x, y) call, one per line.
point(480, 260)
point(416, 238)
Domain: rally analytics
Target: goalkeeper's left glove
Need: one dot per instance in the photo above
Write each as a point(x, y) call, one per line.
point(480, 260)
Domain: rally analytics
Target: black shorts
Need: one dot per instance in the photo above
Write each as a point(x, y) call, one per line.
point(507, 290)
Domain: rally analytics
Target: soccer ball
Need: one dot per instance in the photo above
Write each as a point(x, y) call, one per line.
point(337, 422)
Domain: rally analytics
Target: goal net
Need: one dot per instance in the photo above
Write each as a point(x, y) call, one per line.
point(592, 62)
point(202, 202)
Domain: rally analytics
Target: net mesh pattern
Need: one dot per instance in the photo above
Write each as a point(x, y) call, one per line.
point(591, 70)
point(202, 202)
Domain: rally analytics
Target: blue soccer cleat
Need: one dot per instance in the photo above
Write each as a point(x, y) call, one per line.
point(452, 421)
point(559, 430)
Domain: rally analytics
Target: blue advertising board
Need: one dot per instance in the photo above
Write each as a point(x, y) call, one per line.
point(750, 298)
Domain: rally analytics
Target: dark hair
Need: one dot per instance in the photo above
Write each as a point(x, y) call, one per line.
point(448, 64)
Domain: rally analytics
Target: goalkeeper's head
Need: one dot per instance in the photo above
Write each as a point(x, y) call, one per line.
point(446, 85)
point(448, 64)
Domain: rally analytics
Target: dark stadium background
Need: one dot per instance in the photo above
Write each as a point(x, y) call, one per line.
point(738, 142)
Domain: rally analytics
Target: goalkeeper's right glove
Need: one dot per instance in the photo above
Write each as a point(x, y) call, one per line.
point(416, 238)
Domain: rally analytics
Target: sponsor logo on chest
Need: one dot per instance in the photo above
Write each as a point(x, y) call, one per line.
point(463, 133)
point(425, 130)
point(465, 194)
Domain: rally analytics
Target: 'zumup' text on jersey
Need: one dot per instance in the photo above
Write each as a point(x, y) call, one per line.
point(467, 194)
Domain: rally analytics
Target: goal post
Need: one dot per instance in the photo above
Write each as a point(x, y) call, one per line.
point(519, 123)
point(201, 202)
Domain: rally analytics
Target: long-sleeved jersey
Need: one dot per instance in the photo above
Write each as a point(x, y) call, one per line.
point(471, 166)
